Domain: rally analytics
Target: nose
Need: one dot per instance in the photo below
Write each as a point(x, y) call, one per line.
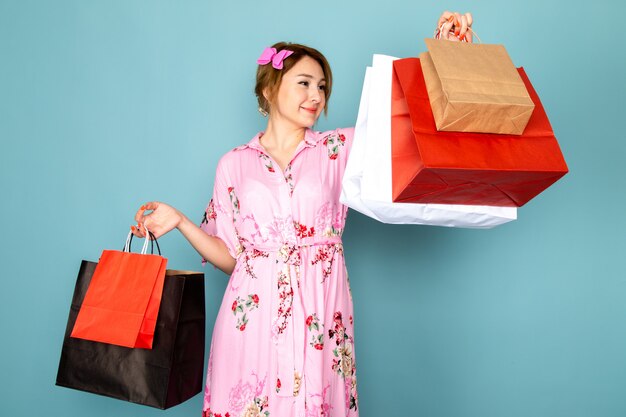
point(315, 95)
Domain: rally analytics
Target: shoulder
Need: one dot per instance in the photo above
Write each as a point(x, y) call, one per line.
point(344, 133)
point(228, 159)
point(232, 161)
point(337, 142)
point(337, 138)
point(238, 152)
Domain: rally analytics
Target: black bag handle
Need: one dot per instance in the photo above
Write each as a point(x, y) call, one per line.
point(153, 240)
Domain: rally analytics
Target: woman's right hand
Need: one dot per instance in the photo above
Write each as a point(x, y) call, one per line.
point(161, 219)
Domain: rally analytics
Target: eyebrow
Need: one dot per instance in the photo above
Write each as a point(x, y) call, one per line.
point(309, 76)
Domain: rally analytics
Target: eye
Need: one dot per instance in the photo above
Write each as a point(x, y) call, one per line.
point(304, 83)
point(322, 87)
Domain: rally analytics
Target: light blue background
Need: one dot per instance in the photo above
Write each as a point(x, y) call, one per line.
point(105, 105)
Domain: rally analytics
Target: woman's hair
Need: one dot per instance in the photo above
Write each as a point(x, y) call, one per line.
point(267, 77)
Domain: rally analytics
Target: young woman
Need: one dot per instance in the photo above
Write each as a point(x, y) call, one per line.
point(283, 338)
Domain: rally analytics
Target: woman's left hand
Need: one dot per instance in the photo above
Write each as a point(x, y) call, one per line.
point(455, 27)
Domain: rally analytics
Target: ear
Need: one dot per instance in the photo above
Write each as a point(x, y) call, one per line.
point(268, 97)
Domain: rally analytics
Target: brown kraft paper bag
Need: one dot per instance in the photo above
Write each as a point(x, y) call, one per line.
point(475, 88)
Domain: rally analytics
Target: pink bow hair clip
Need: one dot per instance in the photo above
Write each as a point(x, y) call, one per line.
point(276, 58)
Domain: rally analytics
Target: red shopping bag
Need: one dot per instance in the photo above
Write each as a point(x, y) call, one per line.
point(465, 168)
point(122, 302)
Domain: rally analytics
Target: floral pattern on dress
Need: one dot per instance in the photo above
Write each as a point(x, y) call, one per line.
point(323, 408)
point(334, 142)
point(257, 408)
point(280, 229)
point(209, 213)
point(328, 219)
point(233, 200)
point(285, 296)
point(302, 231)
point(290, 254)
point(332, 230)
point(343, 364)
point(209, 413)
point(247, 399)
point(248, 257)
point(242, 307)
point(325, 254)
point(297, 383)
point(267, 161)
point(316, 329)
point(289, 178)
point(278, 385)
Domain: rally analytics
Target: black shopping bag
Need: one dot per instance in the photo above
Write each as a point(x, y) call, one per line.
point(164, 376)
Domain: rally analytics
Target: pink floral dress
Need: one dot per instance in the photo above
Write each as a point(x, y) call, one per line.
point(283, 339)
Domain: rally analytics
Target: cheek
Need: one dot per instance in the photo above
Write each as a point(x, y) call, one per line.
point(297, 95)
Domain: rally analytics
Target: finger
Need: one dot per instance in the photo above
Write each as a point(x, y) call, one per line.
point(457, 23)
point(139, 214)
point(150, 230)
point(452, 37)
point(464, 27)
point(470, 19)
point(443, 18)
point(146, 226)
point(153, 205)
point(148, 206)
point(143, 229)
point(136, 231)
point(468, 36)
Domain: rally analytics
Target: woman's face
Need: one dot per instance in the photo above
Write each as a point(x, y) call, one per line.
point(301, 95)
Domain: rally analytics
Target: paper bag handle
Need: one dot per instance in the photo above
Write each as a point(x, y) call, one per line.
point(149, 237)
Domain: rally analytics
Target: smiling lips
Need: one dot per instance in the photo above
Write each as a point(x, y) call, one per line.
point(309, 109)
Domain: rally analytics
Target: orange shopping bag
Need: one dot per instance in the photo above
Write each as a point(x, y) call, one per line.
point(122, 302)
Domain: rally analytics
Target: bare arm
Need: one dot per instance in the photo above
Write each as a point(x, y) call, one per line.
point(165, 218)
point(211, 248)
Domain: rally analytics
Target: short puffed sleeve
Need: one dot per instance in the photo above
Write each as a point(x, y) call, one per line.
point(219, 215)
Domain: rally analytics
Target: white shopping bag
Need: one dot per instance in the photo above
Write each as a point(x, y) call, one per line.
point(367, 178)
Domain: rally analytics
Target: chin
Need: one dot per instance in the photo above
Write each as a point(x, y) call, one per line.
point(309, 123)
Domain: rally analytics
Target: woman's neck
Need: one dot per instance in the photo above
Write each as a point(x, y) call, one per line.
point(282, 137)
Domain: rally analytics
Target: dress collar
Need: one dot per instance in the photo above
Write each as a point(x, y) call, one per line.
point(311, 137)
